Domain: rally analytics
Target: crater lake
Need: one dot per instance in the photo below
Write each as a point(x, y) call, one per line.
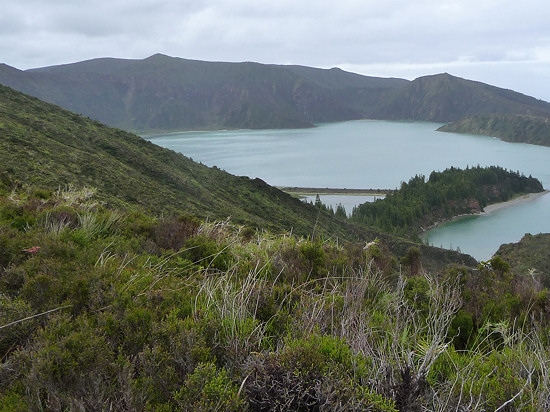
point(369, 154)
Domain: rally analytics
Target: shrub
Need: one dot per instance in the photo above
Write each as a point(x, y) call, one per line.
point(462, 329)
point(69, 367)
point(41, 193)
point(412, 260)
point(173, 232)
point(41, 291)
point(313, 373)
point(207, 252)
point(314, 256)
point(16, 334)
point(209, 389)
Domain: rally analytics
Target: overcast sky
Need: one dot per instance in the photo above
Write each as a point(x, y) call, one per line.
point(500, 42)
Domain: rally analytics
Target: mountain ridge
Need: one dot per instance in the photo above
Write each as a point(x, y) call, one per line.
point(162, 93)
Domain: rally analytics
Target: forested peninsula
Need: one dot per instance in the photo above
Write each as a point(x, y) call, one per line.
point(421, 203)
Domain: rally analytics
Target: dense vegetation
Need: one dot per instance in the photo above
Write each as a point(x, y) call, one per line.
point(47, 146)
point(530, 255)
point(419, 204)
point(165, 93)
point(507, 127)
point(111, 310)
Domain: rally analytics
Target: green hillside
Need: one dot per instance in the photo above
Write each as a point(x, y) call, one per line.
point(45, 146)
point(444, 98)
point(102, 309)
point(507, 127)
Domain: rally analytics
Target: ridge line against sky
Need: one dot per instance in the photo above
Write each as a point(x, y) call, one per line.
point(503, 43)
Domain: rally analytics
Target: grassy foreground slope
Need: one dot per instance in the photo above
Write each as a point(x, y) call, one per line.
point(105, 310)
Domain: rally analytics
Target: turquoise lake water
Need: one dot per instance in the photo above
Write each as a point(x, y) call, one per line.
point(368, 154)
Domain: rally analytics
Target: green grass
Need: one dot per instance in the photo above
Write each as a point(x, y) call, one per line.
point(47, 147)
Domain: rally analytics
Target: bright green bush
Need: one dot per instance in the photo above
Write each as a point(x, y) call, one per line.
point(209, 389)
point(314, 256)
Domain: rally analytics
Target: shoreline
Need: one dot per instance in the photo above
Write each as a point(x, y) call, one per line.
point(529, 197)
point(493, 207)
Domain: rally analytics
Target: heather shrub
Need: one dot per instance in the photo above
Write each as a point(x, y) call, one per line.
point(314, 373)
point(206, 252)
point(209, 389)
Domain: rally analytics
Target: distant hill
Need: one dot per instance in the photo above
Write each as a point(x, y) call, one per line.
point(165, 93)
point(162, 93)
point(444, 98)
point(507, 127)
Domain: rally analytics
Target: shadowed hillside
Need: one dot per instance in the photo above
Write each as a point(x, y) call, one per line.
point(162, 93)
point(166, 93)
point(445, 98)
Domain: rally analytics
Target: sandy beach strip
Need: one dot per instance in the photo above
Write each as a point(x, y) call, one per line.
point(529, 197)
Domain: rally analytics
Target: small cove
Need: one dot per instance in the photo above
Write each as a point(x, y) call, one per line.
point(378, 154)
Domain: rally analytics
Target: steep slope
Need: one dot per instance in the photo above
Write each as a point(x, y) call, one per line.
point(165, 93)
point(445, 98)
point(507, 127)
point(529, 256)
point(44, 145)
